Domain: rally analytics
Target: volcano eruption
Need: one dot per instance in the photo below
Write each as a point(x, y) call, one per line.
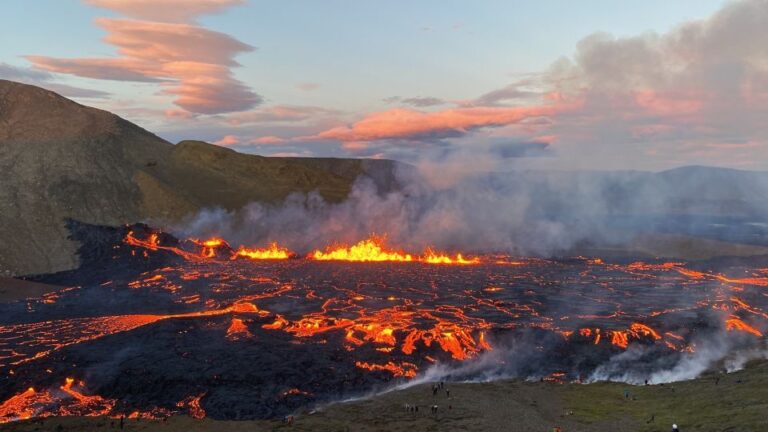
point(317, 298)
point(155, 325)
point(372, 216)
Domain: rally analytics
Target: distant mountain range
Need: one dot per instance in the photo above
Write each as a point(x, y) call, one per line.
point(61, 160)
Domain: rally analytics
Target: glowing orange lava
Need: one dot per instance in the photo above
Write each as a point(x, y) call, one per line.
point(273, 252)
point(374, 249)
point(404, 369)
point(432, 257)
point(368, 250)
point(209, 246)
point(734, 323)
point(238, 330)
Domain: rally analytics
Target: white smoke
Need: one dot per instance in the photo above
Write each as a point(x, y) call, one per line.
point(471, 217)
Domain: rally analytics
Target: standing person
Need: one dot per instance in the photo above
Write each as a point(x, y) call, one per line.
point(122, 421)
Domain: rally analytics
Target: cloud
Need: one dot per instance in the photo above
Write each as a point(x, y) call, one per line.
point(46, 80)
point(279, 113)
point(418, 102)
point(664, 98)
point(228, 140)
point(16, 73)
point(116, 69)
point(190, 62)
point(165, 10)
point(268, 140)
point(512, 93)
point(409, 124)
point(647, 101)
point(423, 101)
point(234, 140)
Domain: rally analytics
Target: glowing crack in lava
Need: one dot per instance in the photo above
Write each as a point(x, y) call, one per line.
point(181, 327)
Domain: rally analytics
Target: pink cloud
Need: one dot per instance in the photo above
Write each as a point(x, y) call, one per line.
point(267, 140)
point(118, 69)
point(669, 103)
point(545, 139)
point(228, 140)
point(182, 114)
point(165, 10)
point(192, 63)
point(411, 124)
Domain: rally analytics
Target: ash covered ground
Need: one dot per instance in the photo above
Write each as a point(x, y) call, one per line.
point(148, 330)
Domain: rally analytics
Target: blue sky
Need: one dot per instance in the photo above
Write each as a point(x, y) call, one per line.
point(317, 66)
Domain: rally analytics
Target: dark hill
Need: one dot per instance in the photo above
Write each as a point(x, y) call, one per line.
point(61, 160)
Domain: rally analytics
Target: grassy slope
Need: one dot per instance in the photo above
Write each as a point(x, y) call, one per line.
point(738, 403)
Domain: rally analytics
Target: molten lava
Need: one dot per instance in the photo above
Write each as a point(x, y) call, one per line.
point(734, 323)
point(405, 369)
point(238, 330)
point(210, 246)
point(303, 323)
point(432, 257)
point(374, 249)
point(273, 252)
point(369, 250)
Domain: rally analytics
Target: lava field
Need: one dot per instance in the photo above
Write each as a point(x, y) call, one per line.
point(151, 326)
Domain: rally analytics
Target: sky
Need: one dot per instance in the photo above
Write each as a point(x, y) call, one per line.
point(489, 84)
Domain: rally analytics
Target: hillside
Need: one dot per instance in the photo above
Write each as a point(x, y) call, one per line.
point(63, 160)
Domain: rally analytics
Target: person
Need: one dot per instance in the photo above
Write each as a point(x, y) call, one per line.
point(674, 428)
point(122, 421)
point(447, 393)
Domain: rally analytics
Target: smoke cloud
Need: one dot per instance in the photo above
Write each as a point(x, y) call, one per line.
point(449, 206)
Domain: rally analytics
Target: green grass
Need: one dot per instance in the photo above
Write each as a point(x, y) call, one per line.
point(739, 402)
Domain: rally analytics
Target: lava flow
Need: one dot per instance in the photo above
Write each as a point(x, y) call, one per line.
point(197, 327)
point(373, 249)
point(369, 250)
point(272, 252)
